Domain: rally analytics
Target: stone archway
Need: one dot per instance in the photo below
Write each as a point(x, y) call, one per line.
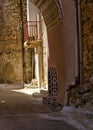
point(51, 14)
point(51, 11)
point(60, 34)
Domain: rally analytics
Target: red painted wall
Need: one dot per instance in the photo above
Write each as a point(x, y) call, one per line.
point(62, 48)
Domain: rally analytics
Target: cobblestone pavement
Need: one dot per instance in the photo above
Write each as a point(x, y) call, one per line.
point(20, 111)
point(81, 117)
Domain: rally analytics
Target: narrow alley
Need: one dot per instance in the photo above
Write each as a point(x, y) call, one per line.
point(46, 64)
point(21, 111)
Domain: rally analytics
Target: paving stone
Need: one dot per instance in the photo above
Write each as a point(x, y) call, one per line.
point(19, 110)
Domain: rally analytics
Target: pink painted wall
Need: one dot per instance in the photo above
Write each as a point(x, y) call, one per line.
point(62, 48)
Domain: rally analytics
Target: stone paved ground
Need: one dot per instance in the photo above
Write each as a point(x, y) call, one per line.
point(81, 117)
point(19, 111)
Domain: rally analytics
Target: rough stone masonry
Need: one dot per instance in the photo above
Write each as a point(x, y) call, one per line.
point(11, 70)
point(87, 38)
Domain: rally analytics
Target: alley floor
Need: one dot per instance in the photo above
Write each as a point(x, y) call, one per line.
point(19, 110)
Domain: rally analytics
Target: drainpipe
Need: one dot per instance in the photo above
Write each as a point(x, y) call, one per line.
point(22, 36)
point(79, 46)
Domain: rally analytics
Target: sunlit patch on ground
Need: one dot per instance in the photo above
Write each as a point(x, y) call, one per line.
point(27, 90)
point(35, 92)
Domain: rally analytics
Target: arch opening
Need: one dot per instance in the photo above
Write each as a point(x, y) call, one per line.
point(35, 49)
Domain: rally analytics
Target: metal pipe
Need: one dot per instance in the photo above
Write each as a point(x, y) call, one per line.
point(22, 36)
point(80, 43)
point(79, 46)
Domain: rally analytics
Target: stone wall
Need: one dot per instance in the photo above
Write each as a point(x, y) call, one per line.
point(11, 61)
point(28, 73)
point(79, 95)
point(87, 37)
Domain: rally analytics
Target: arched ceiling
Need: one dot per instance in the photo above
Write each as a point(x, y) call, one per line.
point(51, 11)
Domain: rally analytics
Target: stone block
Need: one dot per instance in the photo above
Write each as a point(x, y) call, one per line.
point(49, 99)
